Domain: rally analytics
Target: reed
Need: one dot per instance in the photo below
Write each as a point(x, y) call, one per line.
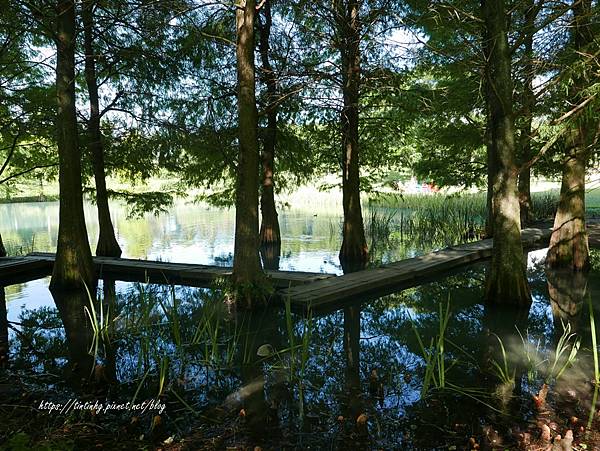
point(434, 355)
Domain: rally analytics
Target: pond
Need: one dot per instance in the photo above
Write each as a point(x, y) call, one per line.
point(198, 233)
point(430, 367)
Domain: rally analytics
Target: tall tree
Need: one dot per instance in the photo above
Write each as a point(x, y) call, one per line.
point(107, 242)
point(246, 262)
point(506, 281)
point(569, 242)
point(73, 266)
point(353, 253)
point(528, 101)
point(270, 235)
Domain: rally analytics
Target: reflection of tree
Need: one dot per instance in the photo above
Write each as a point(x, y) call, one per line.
point(567, 290)
point(352, 360)
point(257, 329)
point(502, 344)
point(78, 333)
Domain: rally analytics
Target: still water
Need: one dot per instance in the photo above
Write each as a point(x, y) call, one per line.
point(427, 368)
point(196, 233)
point(187, 233)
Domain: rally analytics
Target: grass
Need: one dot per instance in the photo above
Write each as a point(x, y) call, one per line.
point(434, 355)
point(564, 343)
point(100, 325)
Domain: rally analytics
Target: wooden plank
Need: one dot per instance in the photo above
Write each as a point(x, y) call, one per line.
point(392, 276)
point(178, 273)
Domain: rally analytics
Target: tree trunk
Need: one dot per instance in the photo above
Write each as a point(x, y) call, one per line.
point(524, 184)
point(491, 176)
point(270, 234)
point(73, 266)
point(246, 261)
point(354, 252)
point(107, 243)
point(506, 281)
point(569, 242)
point(3, 252)
point(4, 348)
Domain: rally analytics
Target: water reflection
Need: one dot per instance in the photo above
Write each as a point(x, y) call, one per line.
point(79, 337)
point(349, 379)
point(567, 292)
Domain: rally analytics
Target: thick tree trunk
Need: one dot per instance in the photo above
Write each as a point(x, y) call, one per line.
point(107, 243)
point(73, 266)
point(270, 234)
point(569, 242)
point(354, 252)
point(246, 262)
point(506, 281)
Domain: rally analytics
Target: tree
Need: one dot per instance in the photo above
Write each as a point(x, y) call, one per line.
point(569, 243)
point(246, 263)
point(270, 235)
point(107, 242)
point(73, 266)
point(354, 253)
point(73, 270)
point(528, 101)
point(506, 281)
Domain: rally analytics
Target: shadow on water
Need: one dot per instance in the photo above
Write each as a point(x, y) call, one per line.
point(350, 379)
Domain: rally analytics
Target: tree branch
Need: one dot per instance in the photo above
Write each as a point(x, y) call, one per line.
point(26, 171)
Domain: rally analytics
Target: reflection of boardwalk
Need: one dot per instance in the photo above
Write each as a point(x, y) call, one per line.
point(321, 291)
point(325, 294)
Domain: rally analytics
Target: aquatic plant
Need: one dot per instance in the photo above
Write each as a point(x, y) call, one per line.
point(434, 354)
point(99, 323)
point(564, 343)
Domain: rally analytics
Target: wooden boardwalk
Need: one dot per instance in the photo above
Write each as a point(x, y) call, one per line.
point(318, 290)
point(359, 286)
point(39, 264)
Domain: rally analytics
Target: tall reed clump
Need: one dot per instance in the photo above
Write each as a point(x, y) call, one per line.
point(430, 221)
point(544, 205)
